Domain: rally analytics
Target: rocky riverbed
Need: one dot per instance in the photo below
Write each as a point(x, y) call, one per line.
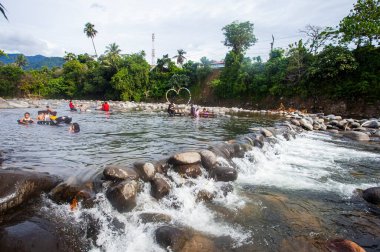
point(206, 175)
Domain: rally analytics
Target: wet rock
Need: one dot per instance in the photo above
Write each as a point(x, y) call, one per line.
point(355, 135)
point(36, 234)
point(113, 172)
point(146, 171)
point(375, 134)
point(160, 188)
point(17, 187)
point(199, 243)
point(295, 122)
point(266, 132)
point(371, 124)
point(190, 171)
point(66, 192)
point(185, 158)
point(208, 159)
point(226, 188)
point(306, 124)
point(298, 244)
point(372, 195)
point(123, 195)
point(258, 143)
point(171, 238)
point(239, 150)
point(204, 195)
point(162, 166)
point(154, 217)
point(354, 125)
point(343, 245)
point(225, 174)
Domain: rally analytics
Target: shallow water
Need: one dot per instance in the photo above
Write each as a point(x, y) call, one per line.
point(290, 196)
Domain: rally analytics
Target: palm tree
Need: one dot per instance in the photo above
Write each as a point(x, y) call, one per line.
point(113, 49)
point(180, 57)
point(2, 53)
point(91, 33)
point(2, 10)
point(21, 61)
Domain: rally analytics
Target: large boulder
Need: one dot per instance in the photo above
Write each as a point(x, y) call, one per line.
point(113, 172)
point(306, 124)
point(190, 171)
point(208, 159)
point(68, 192)
point(225, 174)
point(123, 195)
point(171, 238)
point(145, 170)
point(372, 195)
point(356, 135)
point(185, 158)
point(17, 187)
point(160, 188)
point(371, 124)
point(199, 243)
point(343, 245)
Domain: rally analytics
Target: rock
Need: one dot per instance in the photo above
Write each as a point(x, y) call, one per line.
point(113, 172)
point(66, 193)
point(372, 195)
point(305, 124)
point(375, 134)
point(161, 166)
point(223, 174)
point(208, 159)
point(266, 132)
point(171, 237)
point(154, 217)
point(160, 188)
point(146, 171)
point(17, 187)
point(199, 243)
point(185, 158)
point(354, 125)
point(371, 124)
point(36, 234)
point(342, 245)
point(123, 195)
point(190, 171)
point(204, 195)
point(355, 135)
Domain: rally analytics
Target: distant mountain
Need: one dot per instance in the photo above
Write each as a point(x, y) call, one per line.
point(35, 62)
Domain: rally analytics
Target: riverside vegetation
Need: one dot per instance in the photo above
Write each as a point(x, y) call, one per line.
point(341, 63)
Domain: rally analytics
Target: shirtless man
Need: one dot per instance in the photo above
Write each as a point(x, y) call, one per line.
point(26, 119)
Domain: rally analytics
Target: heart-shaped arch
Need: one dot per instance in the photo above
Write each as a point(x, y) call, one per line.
point(177, 93)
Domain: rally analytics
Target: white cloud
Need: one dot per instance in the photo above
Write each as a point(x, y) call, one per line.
point(194, 26)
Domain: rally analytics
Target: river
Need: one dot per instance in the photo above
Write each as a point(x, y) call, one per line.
point(289, 196)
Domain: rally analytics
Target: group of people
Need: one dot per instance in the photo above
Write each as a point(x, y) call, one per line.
point(47, 116)
point(105, 107)
point(194, 112)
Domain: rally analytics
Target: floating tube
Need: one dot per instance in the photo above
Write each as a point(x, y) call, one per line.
point(207, 115)
point(65, 119)
point(47, 123)
point(23, 122)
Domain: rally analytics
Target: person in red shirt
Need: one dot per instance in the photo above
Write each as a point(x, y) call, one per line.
point(106, 106)
point(72, 107)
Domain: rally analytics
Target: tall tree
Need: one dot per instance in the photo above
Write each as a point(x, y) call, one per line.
point(239, 36)
point(21, 61)
point(362, 25)
point(180, 57)
point(2, 10)
point(315, 37)
point(113, 49)
point(2, 53)
point(90, 31)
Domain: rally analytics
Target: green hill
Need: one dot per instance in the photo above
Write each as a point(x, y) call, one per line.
point(35, 62)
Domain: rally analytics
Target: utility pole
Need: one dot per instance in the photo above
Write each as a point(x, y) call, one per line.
point(153, 51)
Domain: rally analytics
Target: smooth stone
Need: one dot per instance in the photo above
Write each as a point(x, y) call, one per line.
point(266, 132)
point(354, 125)
point(371, 124)
point(171, 238)
point(17, 187)
point(160, 188)
point(376, 133)
point(146, 171)
point(185, 158)
point(123, 195)
point(154, 217)
point(208, 159)
point(199, 243)
point(372, 195)
point(113, 172)
point(223, 174)
point(355, 135)
point(343, 245)
point(305, 124)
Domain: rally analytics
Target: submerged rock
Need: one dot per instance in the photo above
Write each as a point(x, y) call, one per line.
point(160, 188)
point(123, 195)
point(224, 174)
point(154, 217)
point(190, 171)
point(113, 172)
point(343, 245)
point(204, 195)
point(372, 195)
point(171, 237)
point(17, 187)
point(356, 135)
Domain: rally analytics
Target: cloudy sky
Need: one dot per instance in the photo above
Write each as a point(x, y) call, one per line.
point(51, 27)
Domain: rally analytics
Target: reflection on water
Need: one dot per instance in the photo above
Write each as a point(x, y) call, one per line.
point(290, 196)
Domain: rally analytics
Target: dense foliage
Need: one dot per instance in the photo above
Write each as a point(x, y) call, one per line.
point(340, 63)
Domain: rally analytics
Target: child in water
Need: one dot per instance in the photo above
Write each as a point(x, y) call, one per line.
point(26, 119)
point(74, 128)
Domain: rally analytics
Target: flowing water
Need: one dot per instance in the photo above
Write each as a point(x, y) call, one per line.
point(289, 196)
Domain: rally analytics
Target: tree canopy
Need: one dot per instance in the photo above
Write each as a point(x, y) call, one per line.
point(239, 36)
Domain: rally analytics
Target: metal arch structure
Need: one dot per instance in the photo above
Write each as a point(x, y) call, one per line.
point(177, 93)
